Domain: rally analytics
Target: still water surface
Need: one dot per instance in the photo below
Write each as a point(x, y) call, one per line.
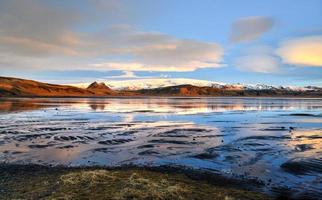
point(277, 141)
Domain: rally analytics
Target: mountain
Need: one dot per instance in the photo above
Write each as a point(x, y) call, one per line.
point(151, 83)
point(154, 83)
point(100, 88)
point(229, 90)
point(16, 87)
point(180, 90)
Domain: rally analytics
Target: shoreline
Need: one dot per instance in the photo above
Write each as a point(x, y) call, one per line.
point(161, 97)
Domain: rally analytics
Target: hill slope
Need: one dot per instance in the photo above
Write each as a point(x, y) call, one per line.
point(16, 87)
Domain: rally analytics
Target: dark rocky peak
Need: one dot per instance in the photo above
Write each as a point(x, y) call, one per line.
point(96, 85)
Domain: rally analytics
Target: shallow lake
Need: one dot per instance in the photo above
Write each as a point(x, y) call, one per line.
point(274, 140)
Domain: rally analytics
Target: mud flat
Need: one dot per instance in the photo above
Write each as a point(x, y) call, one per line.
point(231, 146)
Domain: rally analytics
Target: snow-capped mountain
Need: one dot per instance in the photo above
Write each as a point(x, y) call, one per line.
point(270, 87)
point(137, 84)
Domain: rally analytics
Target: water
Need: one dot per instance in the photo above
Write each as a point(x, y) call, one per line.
point(276, 141)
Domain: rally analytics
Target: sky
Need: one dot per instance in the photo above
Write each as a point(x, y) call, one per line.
point(276, 42)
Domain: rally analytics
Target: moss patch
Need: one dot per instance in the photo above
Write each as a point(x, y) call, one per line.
point(111, 184)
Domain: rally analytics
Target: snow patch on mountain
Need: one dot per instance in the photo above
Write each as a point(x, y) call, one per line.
point(137, 84)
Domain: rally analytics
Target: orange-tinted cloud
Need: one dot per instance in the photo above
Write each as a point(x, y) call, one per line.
point(304, 51)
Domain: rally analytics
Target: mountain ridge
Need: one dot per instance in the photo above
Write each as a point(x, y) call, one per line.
point(153, 83)
point(16, 87)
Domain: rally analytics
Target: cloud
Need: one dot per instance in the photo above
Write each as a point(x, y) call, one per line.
point(250, 28)
point(46, 28)
point(304, 51)
point(126, 49)
point(258, 59)
point(33, 28)
point(151, 68)
point(28, 46)
point(150, 51)
point(125, 75)
point(128, 74)
point(39, 35)
point(258, 63)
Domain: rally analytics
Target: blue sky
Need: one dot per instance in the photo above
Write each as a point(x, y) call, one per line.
point(277, 42)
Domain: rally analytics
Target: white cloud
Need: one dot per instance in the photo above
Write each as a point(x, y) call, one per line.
point(304, 51)
point(125, 75)
point(258, 63)
point(258, 59)
point(250, 28)
point(128, 74)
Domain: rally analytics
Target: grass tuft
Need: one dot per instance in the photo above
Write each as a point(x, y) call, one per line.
point(117, 184)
